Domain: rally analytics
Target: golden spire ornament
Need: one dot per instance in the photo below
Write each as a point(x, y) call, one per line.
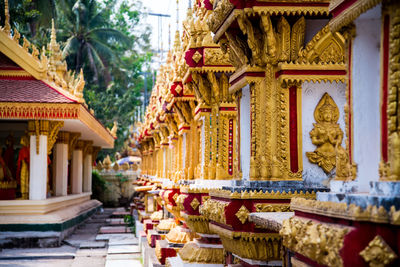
point(7, 26)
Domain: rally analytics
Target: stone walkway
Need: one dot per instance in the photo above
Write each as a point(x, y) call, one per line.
point(102, 240)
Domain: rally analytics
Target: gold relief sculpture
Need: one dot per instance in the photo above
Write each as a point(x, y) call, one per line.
point(378, 253)
point(242, 214)
point(318, 241)
point(326, 134)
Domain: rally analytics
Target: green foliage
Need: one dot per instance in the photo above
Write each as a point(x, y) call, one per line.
point(99, 185)
point(129, 220)
point(106, 39)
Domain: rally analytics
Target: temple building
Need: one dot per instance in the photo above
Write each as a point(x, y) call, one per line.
point(273, 136)
point(49, 141)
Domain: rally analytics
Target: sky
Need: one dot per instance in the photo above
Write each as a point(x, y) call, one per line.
point(160, 25)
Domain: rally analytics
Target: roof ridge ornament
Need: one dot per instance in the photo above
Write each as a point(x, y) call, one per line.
point(7, 26)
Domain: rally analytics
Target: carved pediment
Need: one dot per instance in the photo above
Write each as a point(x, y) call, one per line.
point(325, 47)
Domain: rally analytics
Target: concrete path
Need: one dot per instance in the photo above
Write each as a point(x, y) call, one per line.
point(86, 247)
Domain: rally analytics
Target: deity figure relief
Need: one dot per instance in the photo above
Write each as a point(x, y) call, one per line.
point(326, 134)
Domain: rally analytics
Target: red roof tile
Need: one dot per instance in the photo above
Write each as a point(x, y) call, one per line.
point(29, 90)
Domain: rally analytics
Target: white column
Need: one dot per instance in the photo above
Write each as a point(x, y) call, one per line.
point(61, 169)
point(38, 168)
point(76, 169)
point(87, 173)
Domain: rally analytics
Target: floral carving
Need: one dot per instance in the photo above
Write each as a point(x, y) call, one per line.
point(378, 253)
point(242, 214)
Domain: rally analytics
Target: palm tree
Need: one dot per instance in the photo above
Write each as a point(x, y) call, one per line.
point(88, 36)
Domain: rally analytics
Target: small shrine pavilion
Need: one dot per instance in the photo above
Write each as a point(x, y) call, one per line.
point(48, 137)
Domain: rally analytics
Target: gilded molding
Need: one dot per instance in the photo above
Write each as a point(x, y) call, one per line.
point(198, 224)
point(267, 207)
point(320, 242)
point(348, 212)
point(350, 14)
point(378, 253)
point(256, 246)
point(192, 252)
point(254, 194)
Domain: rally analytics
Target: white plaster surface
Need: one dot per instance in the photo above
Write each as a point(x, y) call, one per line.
point(87, 173)
point(60, 161)
point(76, 171)
point(311, 95)
point(199, 183)
point(38, 168)
point(245, 132)
point(178, 262)
point(366, 96)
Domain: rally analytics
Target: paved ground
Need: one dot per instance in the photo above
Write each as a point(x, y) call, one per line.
point(100, 241)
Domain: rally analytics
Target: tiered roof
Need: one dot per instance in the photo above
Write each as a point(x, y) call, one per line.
point(36, 84)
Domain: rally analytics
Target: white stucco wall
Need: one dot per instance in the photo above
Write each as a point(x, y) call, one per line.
point(245, 132)
point(366, 96)
point(311, 95)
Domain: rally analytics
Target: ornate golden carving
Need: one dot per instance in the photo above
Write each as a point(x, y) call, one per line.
point(256, 246)
point(266, 207)
point(196, 57)
point(219, 14)
point(195, 203)
point(324, 48)
point(192, 252)
point(378, 253)
point(198, 224)
point(214, 210)
point(297, 38)
point(326, 134)
point(349, 212)
point(180, 235)
point(242, 214)
point(318, 241)
point(73, 138)
point(350, 14)
point(254, 194)
point(214, 56)
point(55, 126)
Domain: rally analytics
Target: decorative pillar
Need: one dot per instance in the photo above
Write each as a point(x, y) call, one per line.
point(76, 168)
point(60, 161)
point(38, 159)
point(87, 166)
